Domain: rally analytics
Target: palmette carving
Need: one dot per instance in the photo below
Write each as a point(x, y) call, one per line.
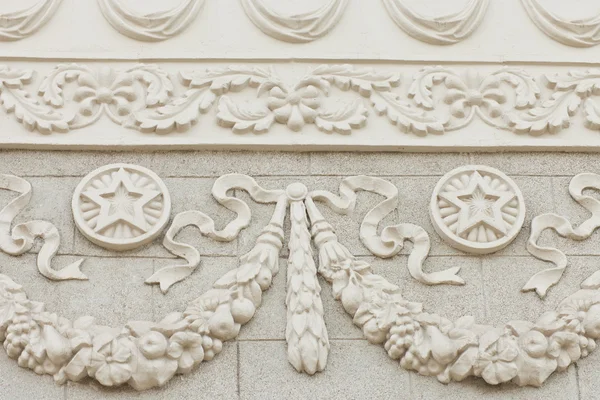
point(151, 27)
point(444, 30)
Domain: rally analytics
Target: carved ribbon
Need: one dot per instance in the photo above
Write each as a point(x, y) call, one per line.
point(577, 33)
point(391, 240)
point(444, 30)
point(545, 279)
point(167, 276)
point(24, 235)
point(152, 27)
point(20, 24)
point(300, 28)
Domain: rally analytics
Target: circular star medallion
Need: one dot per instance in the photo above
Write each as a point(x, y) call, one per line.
point(477, 209)
point(121, 206)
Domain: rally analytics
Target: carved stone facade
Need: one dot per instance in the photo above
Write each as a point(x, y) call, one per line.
point(169, 264)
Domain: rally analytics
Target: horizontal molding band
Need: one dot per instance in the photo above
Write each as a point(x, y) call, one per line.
point(299, 107)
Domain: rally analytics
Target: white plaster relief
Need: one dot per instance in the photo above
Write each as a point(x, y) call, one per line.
point(151, 27)
point(297, 28)
point(145, 354)
point(121, 206)
point(22, 237)
point(20, 24)
point(578, 32)
point(477, 209)
point(544, 280)
point(338, 99)
point(443, 30)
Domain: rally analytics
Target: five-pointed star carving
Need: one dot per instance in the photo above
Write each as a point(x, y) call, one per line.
point(121, 201)
point(479, 203)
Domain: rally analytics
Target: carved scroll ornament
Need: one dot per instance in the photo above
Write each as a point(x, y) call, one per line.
point(436, 100)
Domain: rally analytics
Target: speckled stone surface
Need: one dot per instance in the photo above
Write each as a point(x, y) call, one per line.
point(255, 366)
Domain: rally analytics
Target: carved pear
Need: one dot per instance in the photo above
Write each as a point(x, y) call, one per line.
point(58, 347)
point(221, 325)
point(352, 296)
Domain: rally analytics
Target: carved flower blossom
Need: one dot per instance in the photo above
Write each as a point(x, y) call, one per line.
point(111, 362)
point(110, 89)
point(474, 94)
point(573, 313)
point(496, 362)
point(564, 346)
point(296, 108)
point(186, 347)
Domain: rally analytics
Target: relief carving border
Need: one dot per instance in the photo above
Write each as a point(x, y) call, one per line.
point(329, 107)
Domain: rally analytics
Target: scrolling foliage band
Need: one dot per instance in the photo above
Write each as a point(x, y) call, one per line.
point(436, 100)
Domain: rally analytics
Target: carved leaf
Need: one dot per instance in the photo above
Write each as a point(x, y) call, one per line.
point(234, 78)
point(423, 82)
point(28, 110)
point(344, 119)
point(526, 88)
point(584, 82)
point(158, 82)
point(245, 117)
point(51, 88)
point(180, 115)
point(591, 111)
point(345, 77)
point(408, 118)
point(551, 117)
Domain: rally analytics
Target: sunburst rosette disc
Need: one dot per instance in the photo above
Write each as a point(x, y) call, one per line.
point(121, 206)
point(477, 209)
